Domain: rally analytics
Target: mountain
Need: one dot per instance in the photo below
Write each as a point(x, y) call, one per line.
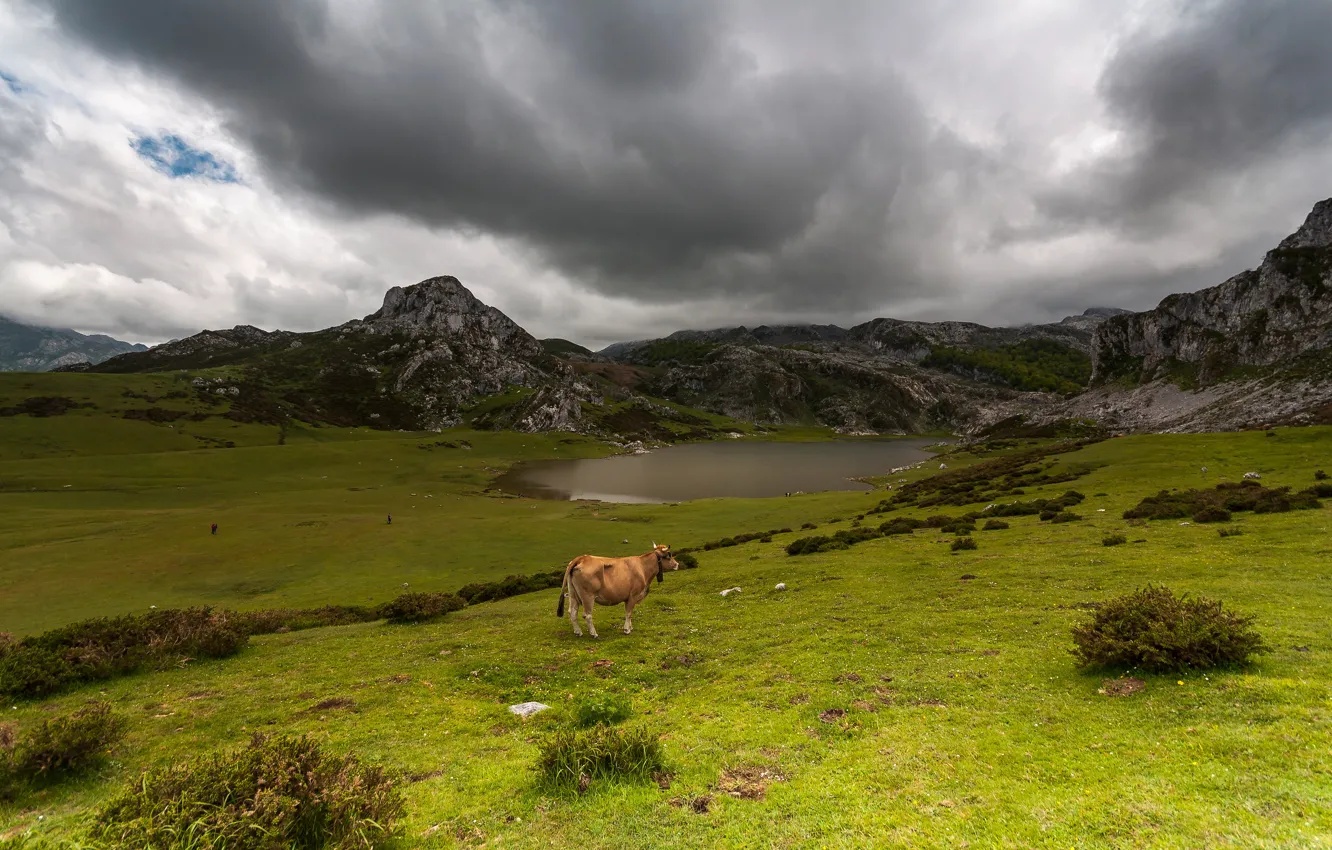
point(28, 348)
point(1253, 350)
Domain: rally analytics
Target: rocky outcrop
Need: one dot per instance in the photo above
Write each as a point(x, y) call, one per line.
point(27, 348)
point(1266, 316)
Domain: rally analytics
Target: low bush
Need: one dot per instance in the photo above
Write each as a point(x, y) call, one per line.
point(90, 650)
point(901, 525)
point(1234, 497)
point(606, 709)
point(276, 792)
point(1114, 540)
point(808, 525)
point(994, 525)
point(65, 744)
point(1320, 475)
point(419, 607)
point(1155, 630)
point(960, 527)
point(1230, 532)
point(1211, 513)
point(602, 752)
point(686, 561)
point(962, 543)
point(1065, 516)
point(270, 620)
point(512, 585)
point(1322, 491)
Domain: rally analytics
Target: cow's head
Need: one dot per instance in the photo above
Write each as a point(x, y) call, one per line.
point(665, 560)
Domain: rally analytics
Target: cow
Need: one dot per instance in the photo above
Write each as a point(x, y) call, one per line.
point(593, 580)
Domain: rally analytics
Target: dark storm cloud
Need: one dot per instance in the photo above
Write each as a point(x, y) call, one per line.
point(1234, 85)
point(630, 143)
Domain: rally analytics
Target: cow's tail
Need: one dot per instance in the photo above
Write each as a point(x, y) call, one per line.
point(564, 585)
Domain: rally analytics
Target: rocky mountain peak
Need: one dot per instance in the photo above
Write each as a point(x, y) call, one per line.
point(442, 306)
point(1316, 232)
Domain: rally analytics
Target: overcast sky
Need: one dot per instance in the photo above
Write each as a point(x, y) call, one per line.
point(615, 169)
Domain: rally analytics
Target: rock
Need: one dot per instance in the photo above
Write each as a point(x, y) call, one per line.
point(625, 541)
point(781, 585)
point(1251, 476)
point(728, 591)
point(527, 709)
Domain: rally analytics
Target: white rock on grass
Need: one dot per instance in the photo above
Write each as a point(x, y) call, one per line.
point(527, 709)
point(781, 585)
point(730, 590)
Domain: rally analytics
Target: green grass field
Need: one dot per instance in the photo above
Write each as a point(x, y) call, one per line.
point(967, 723)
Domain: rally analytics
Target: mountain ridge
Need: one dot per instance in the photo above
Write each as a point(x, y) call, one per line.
point(35, 348)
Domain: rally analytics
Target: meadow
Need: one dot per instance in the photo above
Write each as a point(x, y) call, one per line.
point(897, 693)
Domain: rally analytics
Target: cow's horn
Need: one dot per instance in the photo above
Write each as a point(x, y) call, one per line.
point(654, 544)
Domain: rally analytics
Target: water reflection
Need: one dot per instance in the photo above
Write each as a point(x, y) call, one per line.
point(707, 470)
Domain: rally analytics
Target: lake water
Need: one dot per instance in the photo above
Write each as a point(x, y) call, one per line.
point(706, 470)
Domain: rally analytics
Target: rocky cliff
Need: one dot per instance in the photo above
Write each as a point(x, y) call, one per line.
point(1270, 315)
point(27, 348)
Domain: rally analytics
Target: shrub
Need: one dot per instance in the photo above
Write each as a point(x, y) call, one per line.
point(419, 607)
point(270, 620)
point(602, 752)
point(1155, 630)
point(606, 709)
point(899, 526)
point(276, 792)
point(962, 543)
point(808, 525)
point(1229, 532)
point(939, 521)
point(1212, 513)
point(512, 585)
point(1322, 491)
point(994, 525)
point(1230, 496)
point(686, 561)
point(68, 743)
point(1047, 515)
point(960, 528)
point(108, 647)
point(1320, 475)
point(1114, 540)
point(1066, 516)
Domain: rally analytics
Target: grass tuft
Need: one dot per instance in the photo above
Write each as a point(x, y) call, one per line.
point(573, 758)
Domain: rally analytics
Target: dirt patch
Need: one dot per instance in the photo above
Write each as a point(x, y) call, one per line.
point(748, 783)
point(799, 699)
point(935, 703)
point(332, 704)
point(849, 677)
point(862, 705)
point(663, 779)
point(681, 661)
point(832, 715)
point(400, 679)
point(698, 805)
point(603, 664)
point(1121, 687)
point(422, 777)
point(966, 577)
point(989, 652)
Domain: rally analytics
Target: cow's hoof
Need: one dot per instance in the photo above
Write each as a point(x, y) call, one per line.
point(578, 634)
point(628, 631)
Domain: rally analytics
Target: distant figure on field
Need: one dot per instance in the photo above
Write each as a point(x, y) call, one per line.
point(215, 528)
point(390, 519)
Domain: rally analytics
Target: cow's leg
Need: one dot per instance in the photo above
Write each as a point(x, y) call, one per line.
point(628, 616)
point(573, 610)
point(589, 602)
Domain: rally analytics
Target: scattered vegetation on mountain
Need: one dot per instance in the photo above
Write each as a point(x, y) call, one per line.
point(1034, 365)
point(994, 478)
point(1217, 504)
point(671, 351)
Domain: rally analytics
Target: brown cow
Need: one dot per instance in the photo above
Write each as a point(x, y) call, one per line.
point(592, 579)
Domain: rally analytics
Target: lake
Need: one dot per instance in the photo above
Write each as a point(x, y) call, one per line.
point(737, 468)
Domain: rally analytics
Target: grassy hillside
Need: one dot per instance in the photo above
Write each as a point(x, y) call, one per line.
point(967, 723)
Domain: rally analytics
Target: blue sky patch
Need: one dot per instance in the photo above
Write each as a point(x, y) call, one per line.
point(174, 157)
point(13, 83)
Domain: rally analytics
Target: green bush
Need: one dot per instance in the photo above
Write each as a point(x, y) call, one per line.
point(1229, 532)
point(1211, 513)
point(994, 525)
point(65, 744)
point(1322, 491)
point(962, 543)
point(276, 792)
point(686, 561)
point(512, 585)
point(419, 607)
point(901, 525)
point(1065, 516)
point(1320, 475)
point(108, 647)
point(1155, 630)
point(1230, 496)
point(808, 525)
point(1114, 540)
point(602, 752)
point(605, 708)
point(270, 620)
